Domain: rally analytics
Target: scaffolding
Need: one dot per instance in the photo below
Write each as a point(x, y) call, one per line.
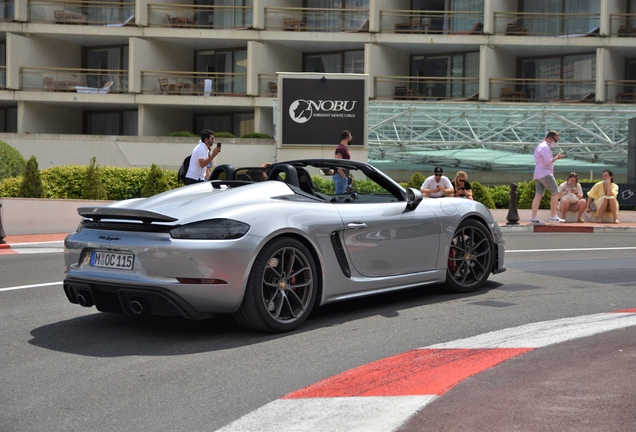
point(495, 134)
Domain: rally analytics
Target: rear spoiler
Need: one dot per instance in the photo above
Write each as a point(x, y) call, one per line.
point(145, 216)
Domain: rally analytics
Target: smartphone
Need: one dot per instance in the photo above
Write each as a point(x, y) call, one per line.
point(218, 145)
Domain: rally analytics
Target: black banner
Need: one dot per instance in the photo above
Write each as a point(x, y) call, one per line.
point(626, 193)
point(316, 110)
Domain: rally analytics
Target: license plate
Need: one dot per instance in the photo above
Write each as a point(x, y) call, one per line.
point(115, 260)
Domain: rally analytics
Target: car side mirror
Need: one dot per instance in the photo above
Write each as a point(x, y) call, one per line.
point(413, 198)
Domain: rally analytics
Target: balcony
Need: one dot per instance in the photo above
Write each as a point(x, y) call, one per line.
point(194, 83)
point(197, 16)
point(623, 25)
point(95, 81)
point(542, 90)
point(317, 19)
point(621, 91)
point(546, 24)
point(82, 12)
point(268, 85)
point(427, 89)
point(431, 22)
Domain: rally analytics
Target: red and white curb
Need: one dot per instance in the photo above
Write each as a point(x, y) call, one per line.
point(40, 247)
point(382, 395)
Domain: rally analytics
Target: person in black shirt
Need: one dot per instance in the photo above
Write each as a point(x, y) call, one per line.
point(462, 186)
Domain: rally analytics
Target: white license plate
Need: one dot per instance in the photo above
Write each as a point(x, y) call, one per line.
point(116, 260)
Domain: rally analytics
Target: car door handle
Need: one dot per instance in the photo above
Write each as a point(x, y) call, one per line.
point(356, 225)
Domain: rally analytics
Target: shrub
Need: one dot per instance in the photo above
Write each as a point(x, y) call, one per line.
point(156, 182)
point(416, 180)
point(12, 164)
point(64, 182)
point(93, 188)
point(255, 135)
point(223, 135)
point(526, 195)
point(31, 186)
point(124, 183)
point(182, 134)
point(501, 196)
point(482, 194)
point(323, 185)
point(10, 187)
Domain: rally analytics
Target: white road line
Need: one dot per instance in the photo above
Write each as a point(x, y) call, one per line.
point(30, 286)
point(570, 250)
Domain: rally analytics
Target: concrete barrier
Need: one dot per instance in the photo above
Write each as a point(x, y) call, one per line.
point(41, 216)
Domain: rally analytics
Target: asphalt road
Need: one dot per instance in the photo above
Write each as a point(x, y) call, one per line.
point(69, 368)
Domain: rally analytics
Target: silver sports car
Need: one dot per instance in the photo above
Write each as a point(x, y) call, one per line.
point(264, 245)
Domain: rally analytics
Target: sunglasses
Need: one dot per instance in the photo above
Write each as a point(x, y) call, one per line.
point(438, 174)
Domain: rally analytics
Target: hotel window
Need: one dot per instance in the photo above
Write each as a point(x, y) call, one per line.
point(218, 63)
point(8, 119)
point(335, 62)
point(577, 23)
point(578, 73)
point(227, 17)
point(348, 14)
point(106, 59)
point(237, 124)
point(440, 22)
point(457, 65)
point(110, 123)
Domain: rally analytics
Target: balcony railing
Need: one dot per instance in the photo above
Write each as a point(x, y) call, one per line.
point(623, 25)
point(620, 91)
point(547, 24)
point(317, 19)
point(542, 90)
point(194, 83)
point(268, 85)
point(82, 12)
point(98, 81)
point(431, 22)
point(197, 16)
point(426, 88)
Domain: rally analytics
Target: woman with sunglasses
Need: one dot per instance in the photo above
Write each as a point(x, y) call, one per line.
point(461, 185)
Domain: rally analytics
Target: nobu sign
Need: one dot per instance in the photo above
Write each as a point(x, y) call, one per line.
point(314, 110)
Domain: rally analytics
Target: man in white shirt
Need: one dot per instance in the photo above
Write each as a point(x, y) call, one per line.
point(437, 185)
point(202, 158)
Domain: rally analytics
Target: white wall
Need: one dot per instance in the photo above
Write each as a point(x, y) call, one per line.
point(157, 120)
point(34, 118)
point(387, 61)
point(155, 55)
point(495, 63)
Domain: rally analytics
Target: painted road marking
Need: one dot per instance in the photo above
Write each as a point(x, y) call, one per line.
point(30, 286)
point(382, 395)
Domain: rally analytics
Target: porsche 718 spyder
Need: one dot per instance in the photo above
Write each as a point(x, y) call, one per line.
point(264, 245)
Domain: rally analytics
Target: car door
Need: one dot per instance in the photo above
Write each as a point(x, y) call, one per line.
point(384, 239)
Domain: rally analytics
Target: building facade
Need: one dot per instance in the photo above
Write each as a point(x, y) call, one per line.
point(147, 68)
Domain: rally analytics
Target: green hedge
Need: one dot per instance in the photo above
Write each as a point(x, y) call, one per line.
point(68, 182)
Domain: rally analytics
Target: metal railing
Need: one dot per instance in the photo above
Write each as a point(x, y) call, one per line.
point(268, 85)
point(98, 81)
point(546, 24)
point(316, 19)
point(197, 16)
point(194, 83)
point(542, 90)
point(82, 12)
point(623, 25)
point(620, 91)
point(431, 22)
point(426, 88)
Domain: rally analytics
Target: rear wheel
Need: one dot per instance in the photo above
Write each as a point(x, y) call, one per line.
point(281, 289)
point(470, 257)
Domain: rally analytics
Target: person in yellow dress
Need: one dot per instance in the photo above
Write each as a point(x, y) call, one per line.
point(603, 194)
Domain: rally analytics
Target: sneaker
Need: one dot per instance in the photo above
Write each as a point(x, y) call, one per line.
point(536, 221)
point(556, 219)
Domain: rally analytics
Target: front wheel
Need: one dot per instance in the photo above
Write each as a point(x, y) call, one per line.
point(470, 257)
point(281, 289)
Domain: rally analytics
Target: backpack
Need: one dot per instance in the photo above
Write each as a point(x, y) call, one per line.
point(184, 169)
